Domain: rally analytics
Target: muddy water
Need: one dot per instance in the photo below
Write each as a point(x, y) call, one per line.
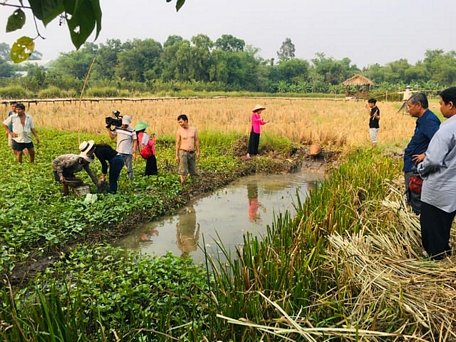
point(247, 205)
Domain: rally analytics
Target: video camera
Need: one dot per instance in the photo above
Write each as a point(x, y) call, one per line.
point(114, 120)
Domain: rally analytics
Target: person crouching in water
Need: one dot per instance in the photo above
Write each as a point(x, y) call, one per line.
point(146, 147)
point(110, 161)
point(66, 165)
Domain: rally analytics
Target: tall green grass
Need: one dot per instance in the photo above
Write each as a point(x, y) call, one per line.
point(289, 265)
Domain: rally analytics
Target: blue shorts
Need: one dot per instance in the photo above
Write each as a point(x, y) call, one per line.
point(21, 146)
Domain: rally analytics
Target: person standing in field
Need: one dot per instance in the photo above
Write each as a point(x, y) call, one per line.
point(438, 170)
point(19, 126)
point(10, 113)
point(407, 94)
point(374, 118)
point(110, 160)
point(126, 142)
point(146, 145)
point(427, 124)
point(187, 148)
point(255, 129)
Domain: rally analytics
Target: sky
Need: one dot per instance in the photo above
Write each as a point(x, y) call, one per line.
point(366, 31)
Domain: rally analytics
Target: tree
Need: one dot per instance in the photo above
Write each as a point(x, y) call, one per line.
point(82, 18)
point(287, 50)
point(293, 71)
point(107, 59)
point(140, 61)
point(75, 64)
point(332, 71)
point(201, 61)
point(6, 69)
point(168, 61)
point(227, 42)
point(440, 66)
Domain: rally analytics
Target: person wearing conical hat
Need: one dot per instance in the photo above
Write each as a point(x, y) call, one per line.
point(146, 145)
point(255, 130)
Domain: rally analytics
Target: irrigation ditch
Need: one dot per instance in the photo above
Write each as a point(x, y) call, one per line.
point(271, 162)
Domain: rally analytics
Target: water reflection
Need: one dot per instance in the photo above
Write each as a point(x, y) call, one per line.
point(149, 233)
point(254, 204)
point(224, 216)
point(187, 232)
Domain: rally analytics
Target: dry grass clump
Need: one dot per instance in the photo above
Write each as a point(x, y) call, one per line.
point(328, 122)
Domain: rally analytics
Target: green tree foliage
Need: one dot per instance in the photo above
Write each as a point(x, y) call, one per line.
point(332, 71)
point(76, 63)
point(440, 66)
point(224, 65)
point(6, 69)
point(139, 60)
point(168, 59)
point(107, 59)
point(227, 42)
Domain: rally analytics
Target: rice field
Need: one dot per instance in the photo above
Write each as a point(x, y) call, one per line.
point(348, 266)
point(331, 123)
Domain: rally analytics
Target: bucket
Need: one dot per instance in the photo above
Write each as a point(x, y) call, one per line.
point(82, 190)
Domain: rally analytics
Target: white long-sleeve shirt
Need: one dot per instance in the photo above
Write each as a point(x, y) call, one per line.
point(438, 168)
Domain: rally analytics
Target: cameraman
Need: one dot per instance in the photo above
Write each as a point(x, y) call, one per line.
point(126, 142)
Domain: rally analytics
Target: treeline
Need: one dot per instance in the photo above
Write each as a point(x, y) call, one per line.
point(146, 66)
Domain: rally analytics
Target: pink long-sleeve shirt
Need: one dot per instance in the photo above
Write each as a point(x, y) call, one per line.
point(257, 122)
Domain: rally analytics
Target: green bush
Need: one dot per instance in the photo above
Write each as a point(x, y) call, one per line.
point(50, 92)
point(102, 92)
point(14, 92)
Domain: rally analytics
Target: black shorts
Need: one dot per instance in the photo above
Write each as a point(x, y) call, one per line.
point(21, 146)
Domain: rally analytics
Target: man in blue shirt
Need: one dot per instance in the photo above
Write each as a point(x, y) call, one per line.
point(438, 169)
point(427, 124)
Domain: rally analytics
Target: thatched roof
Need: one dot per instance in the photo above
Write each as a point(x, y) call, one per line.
point(357, 80)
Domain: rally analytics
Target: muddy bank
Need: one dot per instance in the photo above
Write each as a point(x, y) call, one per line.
point(207, 182)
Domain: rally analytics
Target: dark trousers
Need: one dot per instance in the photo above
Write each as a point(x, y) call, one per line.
point(151, 166)
point(435, 230)
point(115, 166)
point(254, 142)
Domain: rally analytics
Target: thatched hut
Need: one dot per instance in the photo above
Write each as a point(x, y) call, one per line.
point(357, 86)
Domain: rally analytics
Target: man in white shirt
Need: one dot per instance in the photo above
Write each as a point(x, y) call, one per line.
point(126, 142)
point(20, 128)
point(438, 169)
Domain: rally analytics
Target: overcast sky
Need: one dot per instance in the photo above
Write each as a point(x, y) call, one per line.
point(366, 31)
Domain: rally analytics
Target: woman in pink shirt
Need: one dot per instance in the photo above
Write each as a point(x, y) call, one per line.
point(256, 122)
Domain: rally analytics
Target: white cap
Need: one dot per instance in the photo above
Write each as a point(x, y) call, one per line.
point(126, 120)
